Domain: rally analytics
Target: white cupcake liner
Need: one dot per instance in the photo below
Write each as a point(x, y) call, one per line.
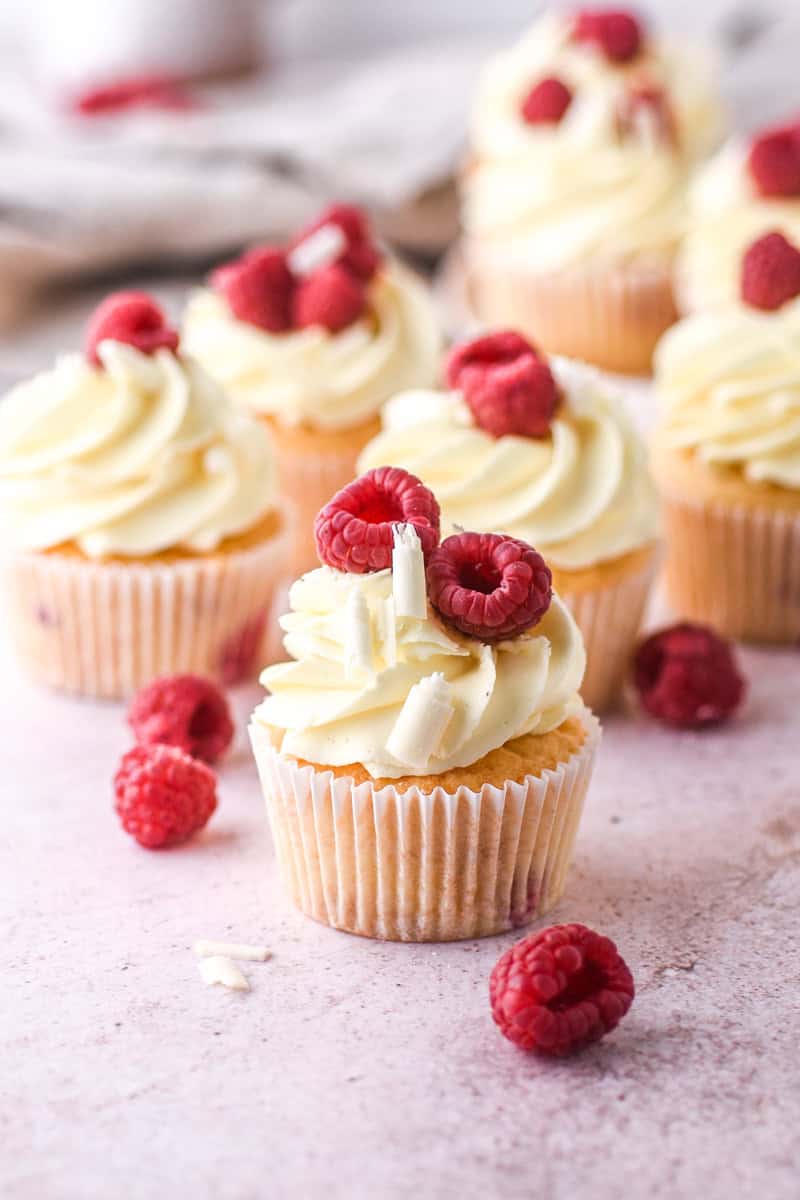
point(736, 568)
point(609, 619)
point(106, 628)
point(421, 866)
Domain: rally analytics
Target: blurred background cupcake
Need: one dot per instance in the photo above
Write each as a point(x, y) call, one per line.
point(573, 195)
point(726, 455)
point(142, 534)
point(313, 337)
point(543, 452)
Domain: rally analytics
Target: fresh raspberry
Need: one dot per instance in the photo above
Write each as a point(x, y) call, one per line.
point(145, 91)
point(687, 676)
point(560, 989)
point(130, 317)
point(332, 297)
point(644, 110)
point(770, 272)
point(508, 387)
point(774, 161)
point(362, 257)
point(354, 529)
point(258, 288)
point(546, 102)
point(162, 795)
point(489, 586)
point(616, 31)
point(186, 711)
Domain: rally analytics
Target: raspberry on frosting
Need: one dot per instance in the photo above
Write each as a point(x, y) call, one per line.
point(508, 386)
point(774, 161)
point(360, 255)
point(162, 795)
point(332, 297)
point(546, 102)
point(560, 989)
point(354, 531)
point(259, 288)
point(187, 711)
point(489, 586)
point(687, 676)
point(133, 318)
point(616, 32)
point(770, 272)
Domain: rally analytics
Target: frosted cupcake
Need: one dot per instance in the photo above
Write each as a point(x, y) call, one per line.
point(748, 189)
point(543, 452)
point(139, 513)
point(582, 139)
point(425, 756)
point(727, 453)
point(313, 338)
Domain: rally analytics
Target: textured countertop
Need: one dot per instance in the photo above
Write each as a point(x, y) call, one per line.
point(358, 1069)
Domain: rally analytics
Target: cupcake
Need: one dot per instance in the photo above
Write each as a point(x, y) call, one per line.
point(726, 455)
point(425, 755)
point(574, 195)
point(313, 338)
point(139, 513)
point(748, 189)
point(543, 452)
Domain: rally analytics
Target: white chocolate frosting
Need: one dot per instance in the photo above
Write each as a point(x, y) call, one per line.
point(730, 384)
point(140, 456)
point(311, 376)
point(581, 495)
point(429, 699)
point(727, 214)
point(550, 196)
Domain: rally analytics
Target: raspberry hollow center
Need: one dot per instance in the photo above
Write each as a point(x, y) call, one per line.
point(377, 508)
point(480, 577)
point(583, 985)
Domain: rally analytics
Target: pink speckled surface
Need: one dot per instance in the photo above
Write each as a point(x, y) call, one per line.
point(355, 1069)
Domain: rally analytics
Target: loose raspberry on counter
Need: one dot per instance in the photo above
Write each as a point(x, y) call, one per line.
point(145, 91)
point(186, 711)
point(489, 586)
point(162, 795)
point(560, 989)
point(354, 530)
point(258, 288)
point(332, 297)
point(509, 388)
point(687, 676)
point(546, 102)
point(770, 272)
point(774, 161)
point(361, 256)
point(616, 32)
point(130, 317)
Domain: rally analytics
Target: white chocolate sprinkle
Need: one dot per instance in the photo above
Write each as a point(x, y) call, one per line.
point(422, 721)
point(320, 248)
point(206, 949)
point(218, 969)
point(408, 574)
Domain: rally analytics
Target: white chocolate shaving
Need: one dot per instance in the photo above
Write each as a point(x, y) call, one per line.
point(205, 949)
point(224, 971)
point(357, 635)
point(408, 574)
point(388, 627)
point(321, 247)
point(422, 721)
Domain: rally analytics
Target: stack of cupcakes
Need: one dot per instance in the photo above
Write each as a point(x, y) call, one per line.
point(425, 756)
point(544, 452)
point(312, 338)
point(583, 137)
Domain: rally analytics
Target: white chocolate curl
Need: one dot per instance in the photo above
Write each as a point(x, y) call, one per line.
point(388, 631)
point(357, 636)
point(321, 247)
point(218, 969)
point(422, 721)
point(408, 574)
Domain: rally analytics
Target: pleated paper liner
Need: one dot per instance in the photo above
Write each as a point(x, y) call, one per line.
point(610, 315)
point(104, 629)
point(736, 568)
point(609, 617)
point(312, 467)
point(420, 865)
